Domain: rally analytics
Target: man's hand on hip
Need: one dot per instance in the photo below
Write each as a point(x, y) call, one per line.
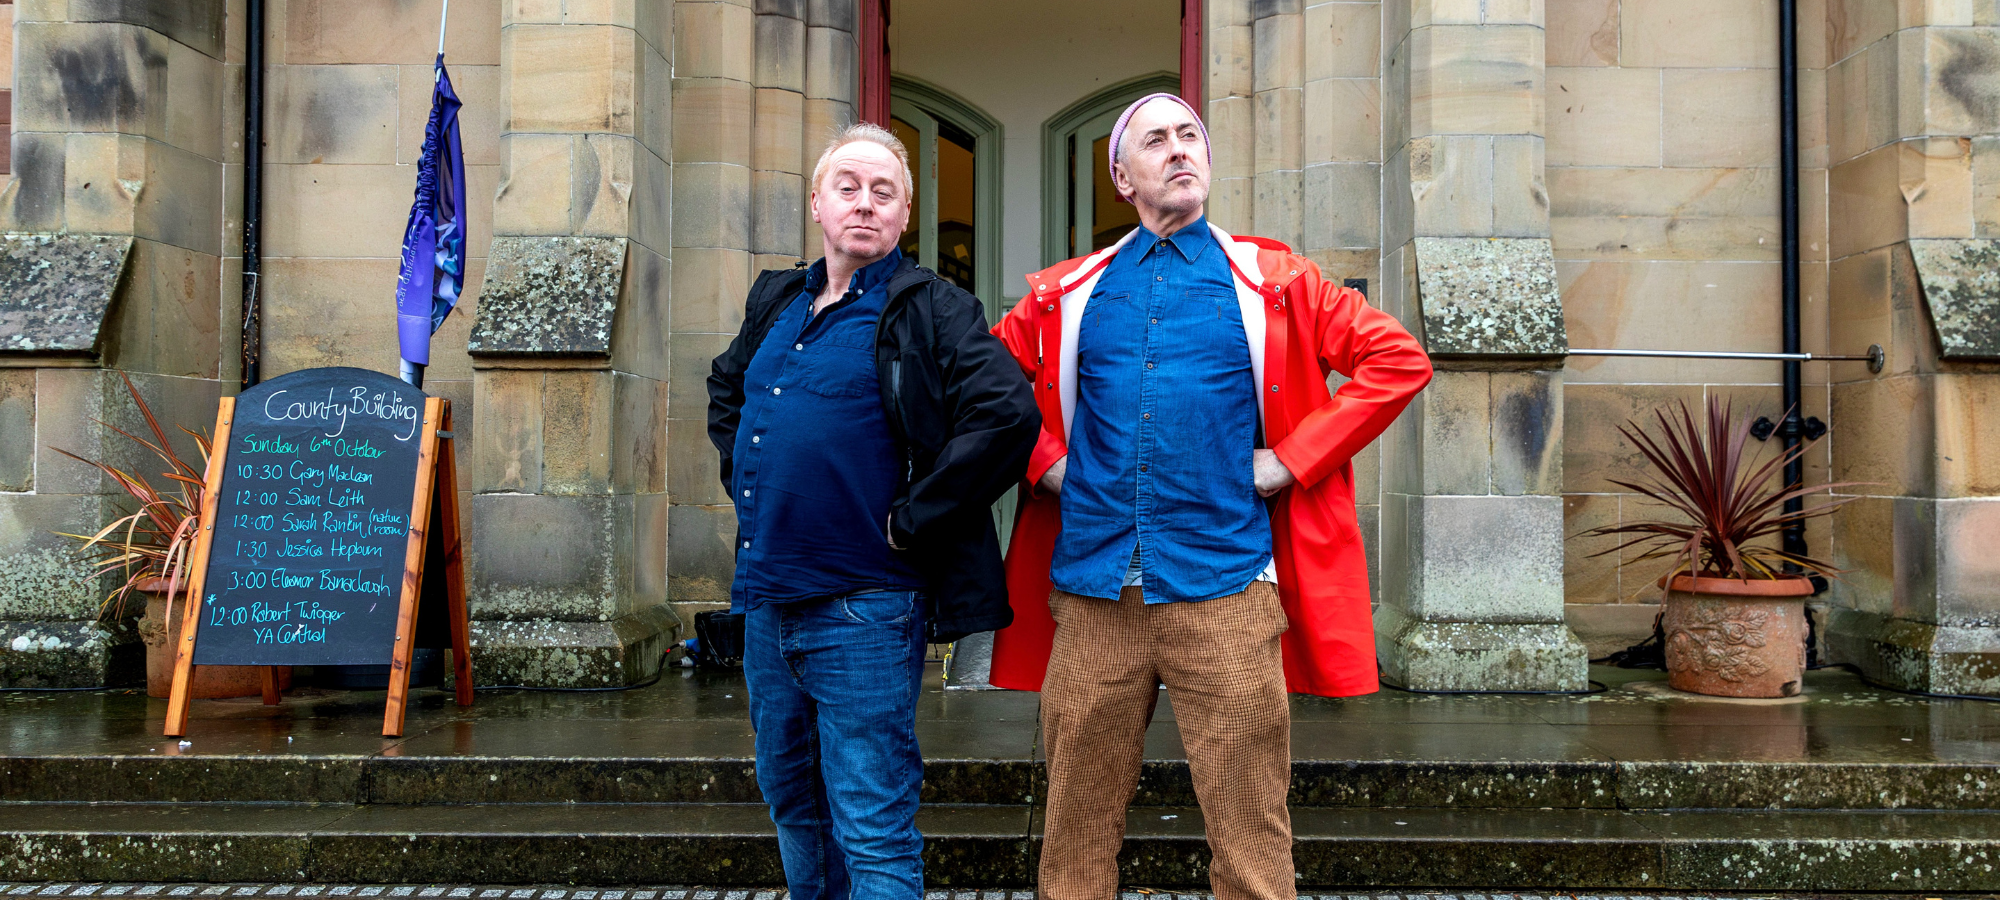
point(1052, 479)
point(1270, 473)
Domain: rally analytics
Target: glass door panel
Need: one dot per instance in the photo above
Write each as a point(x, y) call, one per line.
point(1097, 219)
point(957, 201)
point(911, 133)
point(942, 235)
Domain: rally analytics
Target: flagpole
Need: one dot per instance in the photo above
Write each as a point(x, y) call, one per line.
point(413, 373)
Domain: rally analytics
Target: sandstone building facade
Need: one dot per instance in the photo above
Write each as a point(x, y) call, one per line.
point(1514, 179)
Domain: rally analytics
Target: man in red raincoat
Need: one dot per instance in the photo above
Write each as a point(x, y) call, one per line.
point(1188, 518)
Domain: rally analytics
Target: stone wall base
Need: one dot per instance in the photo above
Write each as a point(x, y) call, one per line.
point(546, 653)
point(1918, 656)
point(970, 666)
point(70, 655)
point(1480, 656)
point(1606, 628)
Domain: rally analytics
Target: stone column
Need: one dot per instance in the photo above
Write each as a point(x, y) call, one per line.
point(714, 111)
point(112, 263)
point(1914, 218)
point(1231, 121)
point(567, 566)
point(779, 146)
point(1340, 138)
point(758, 90)
point(1293, 107)
point(1472, 519)
point(1277, 109)
point(833, 77)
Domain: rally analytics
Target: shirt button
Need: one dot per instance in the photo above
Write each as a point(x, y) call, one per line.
point(1153, 321)
point(1274, 389)
point(746, 545)
point(1159, 278)
point(756, 439)
point(1141, 468)
point(1052, 308)
point(798, 346)
point(1149, 365)
point(746, 493)
point(1148, 415)
point(777, 390)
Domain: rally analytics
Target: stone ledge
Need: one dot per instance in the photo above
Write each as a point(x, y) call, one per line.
point(199, 25)
point(549, 297)
point(547, 653)
point(1480, 656)
point(996, 846)
point(44, 584)
point(1490, 297)
point(70, 655)
point(1918, 656)
point(1961, 287)
point(56, 290)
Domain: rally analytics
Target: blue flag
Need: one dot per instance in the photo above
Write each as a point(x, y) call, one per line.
point(434, 242)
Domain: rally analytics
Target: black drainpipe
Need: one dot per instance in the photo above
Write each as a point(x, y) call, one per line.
point(253, 191)
point(1794, 425)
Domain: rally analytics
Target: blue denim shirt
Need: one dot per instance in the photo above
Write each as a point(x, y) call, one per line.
point(1165, 422)
point(816, 464)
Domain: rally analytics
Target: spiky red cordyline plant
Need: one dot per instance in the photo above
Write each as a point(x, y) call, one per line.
point(1726, 495)
point(154, 541)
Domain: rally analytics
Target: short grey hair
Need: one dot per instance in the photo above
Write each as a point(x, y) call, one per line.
point(874, 134)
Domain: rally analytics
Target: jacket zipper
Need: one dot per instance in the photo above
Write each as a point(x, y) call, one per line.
point(902, 421)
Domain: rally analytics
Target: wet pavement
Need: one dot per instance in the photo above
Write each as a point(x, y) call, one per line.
point(1847, 788)
point(1563, 751)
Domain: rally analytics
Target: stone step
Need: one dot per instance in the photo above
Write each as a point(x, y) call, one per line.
point(998, 846)
point(405, 775)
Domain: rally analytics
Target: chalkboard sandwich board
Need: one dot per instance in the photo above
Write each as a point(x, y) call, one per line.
point(329, 493)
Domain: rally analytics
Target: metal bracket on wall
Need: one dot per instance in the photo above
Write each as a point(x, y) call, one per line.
point(1810, 428)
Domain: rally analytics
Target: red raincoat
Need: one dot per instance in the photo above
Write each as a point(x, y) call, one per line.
point(1309, 328)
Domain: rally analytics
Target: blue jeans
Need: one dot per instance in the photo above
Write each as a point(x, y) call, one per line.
point(833, 697)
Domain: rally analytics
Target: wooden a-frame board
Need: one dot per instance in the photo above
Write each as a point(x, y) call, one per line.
point(437, 481)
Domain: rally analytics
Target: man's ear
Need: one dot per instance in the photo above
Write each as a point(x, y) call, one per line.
point(1121, 182)
point(812, 203)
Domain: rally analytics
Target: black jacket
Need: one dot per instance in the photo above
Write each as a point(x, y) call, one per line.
point(957, 404)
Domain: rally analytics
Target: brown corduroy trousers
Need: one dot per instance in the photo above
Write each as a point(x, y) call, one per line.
point(1219, 660)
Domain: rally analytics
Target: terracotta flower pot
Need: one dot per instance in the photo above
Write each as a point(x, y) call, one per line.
point(162, 634)
point(1729, 637)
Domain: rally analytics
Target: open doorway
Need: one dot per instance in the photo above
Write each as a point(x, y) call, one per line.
point(989, 84)
point(955, 150)
point(1075, 180)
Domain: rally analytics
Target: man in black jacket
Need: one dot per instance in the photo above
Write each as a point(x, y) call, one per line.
point(867, 421)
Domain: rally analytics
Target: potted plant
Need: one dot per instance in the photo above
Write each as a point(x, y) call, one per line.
point(1733, 612)
point(149, 551)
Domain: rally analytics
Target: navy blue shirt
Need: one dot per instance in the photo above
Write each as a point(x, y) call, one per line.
point(816, 464)
point(1164, 427)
